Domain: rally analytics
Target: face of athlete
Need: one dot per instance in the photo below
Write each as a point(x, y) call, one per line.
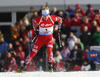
point(45, 14)
point(45, 17)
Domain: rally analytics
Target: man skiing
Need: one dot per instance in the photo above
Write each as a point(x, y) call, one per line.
point(45, 36)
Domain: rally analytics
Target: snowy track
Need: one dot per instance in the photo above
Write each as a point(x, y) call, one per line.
point(54, 74)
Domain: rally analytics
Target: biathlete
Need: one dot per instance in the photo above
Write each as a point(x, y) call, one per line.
point(45, 35)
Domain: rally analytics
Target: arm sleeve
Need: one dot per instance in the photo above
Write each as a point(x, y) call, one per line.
point(59, 20)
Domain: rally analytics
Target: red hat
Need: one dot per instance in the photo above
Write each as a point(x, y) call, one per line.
point(77, 6)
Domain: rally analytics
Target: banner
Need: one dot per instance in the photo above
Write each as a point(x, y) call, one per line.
point(94, 56)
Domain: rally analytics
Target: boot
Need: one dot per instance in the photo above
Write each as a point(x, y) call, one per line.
point(50, 67)
point(22, 68)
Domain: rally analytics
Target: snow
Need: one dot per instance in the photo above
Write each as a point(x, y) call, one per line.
point(52, 74)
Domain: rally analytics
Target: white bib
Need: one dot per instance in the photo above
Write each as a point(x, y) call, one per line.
point(46, 31)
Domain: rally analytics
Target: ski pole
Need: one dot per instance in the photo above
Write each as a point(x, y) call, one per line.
point(59, 38)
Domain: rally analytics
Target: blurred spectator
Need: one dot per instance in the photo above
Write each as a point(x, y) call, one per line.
point(85, 23)
point(76, 20)
point(77, 67)
point(68, 66)
point(65, 53)
point(76, 55)
point(3, 46)
point(26, 46)
point(97, 18)
point(85, 66)
point(57, 57)
point(85, 58)
point(65, 14)
point(99, 15)
point(63, 39)
point(29, 14)
point(16, 56)
point(10, 48)
point(21, 54)
point(80, 44)
point(31, 66)
point(84, 54)
point(1, 34)
point(28, 33)
point(71, 41)
point(60, 14)
point(94, 25)
point(55, 46)
point(15, 31)
point(78, 9)
point(10, 63)
point(67, 25)
point(90, 13)
point(40, 11)
point(85, 37)
point(34, 16)
point(26, 22)
point(93, 65)
point(88, 8)
point(58, 63)
point(96, 36)
point(28, 37)
point(70, 11)
point(59, 66)
point(41, 64)
point(54, 11)
point(17, 43)
point(21, 40)
point(22, 27)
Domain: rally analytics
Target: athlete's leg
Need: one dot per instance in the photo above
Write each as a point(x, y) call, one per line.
point(49, 45)
point(39, 42)
point(50, 54)
point(36, 47)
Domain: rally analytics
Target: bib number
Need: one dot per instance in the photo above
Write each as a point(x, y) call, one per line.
point(46, 30)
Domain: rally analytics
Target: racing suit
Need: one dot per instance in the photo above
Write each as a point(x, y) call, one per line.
point(45, 36)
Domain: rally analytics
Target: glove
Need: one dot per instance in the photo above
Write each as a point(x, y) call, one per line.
point(36, 33)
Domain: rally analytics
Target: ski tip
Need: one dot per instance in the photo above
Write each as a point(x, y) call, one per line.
point(18, 72)
point(50, 70)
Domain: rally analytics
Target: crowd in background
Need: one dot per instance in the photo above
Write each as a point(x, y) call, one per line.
point(80, 30)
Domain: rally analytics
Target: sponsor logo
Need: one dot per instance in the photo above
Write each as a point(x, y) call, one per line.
point(34, 50)
point(35, 46)
point(43, 25)
point(93, 55)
